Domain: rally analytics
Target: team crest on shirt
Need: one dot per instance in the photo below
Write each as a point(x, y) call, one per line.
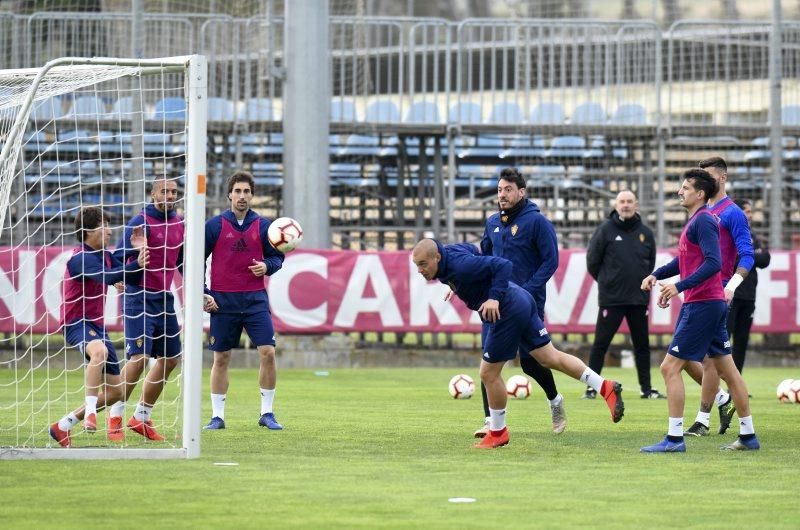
point(92, 333)
point(641, 238)
point(139, 342)
point(514, 230)
point(504, 218)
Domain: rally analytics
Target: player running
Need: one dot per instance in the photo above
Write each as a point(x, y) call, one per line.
point(241, 256)
point(701, 329)
point(89, 272)
point(483, 283)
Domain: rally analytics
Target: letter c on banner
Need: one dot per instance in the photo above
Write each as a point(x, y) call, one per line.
point(281, 302)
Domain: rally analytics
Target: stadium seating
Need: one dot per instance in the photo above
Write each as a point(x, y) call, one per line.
point(87, 106)
point(47, 109)
point(547, 114)
point(257, 109)
point(221, 109)
point(525, 147)
point(423, 112)
point(588, 113)
point(790, 115)
point(629, 114)
point(382, 111)
point(506, 114)
point(170, 108)
point(343, 110)
point(465, 113)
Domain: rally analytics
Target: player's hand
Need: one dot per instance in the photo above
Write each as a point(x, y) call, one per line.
point(144, 257)
point(138, 239)
point(728, 295)
point(209, 304)
point(449, 295)
point(490, 310)
point(668, 292)
point(120, 287)
point(258, 268)
point(648, 283)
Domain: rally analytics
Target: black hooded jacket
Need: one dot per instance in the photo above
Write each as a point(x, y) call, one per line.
point(620, 255)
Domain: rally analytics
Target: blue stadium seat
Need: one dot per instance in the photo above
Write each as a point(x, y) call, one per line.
point(567, 147)
point(221, 109)
point(90, 107)
point(629, 114)
point(257, 109)
point(382, 111)
point(790, 115)
point(588, 113)
point(360, 145)
point(36, 142)
point(547, 114)
point(423, 112)
point(525, 147)
point(465, 113)
point(762, 153)
point(475, 177)
point(545, 175)
point(122, 106)
point(77, 141)
point(170, 108)
point(257, 144)
point(488, 146)
point(506, 113)
point(47, 109)
point(343, 110)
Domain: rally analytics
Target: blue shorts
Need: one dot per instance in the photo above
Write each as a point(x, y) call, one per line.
point(151, 325)
point(226, 330)
point(519, 328)
point(82, 332)
point(701, 330)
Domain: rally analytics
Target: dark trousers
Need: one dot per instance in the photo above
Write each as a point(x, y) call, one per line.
point(740, 319)
point(608, 322)
point(543, 376)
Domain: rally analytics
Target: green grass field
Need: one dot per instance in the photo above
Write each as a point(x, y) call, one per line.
point(387, 448)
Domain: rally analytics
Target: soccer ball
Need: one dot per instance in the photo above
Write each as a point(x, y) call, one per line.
point(794, 391)
point(285, 234)
point(518, 387)
point(785, 392)
point(461, 386)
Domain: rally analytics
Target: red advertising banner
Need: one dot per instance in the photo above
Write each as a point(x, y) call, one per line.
point(325, 291)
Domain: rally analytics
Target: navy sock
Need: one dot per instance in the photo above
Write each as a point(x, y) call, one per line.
point(675, 439)
point(745, 437)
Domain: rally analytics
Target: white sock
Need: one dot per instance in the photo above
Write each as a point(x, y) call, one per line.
point(218, 406)
point(675, 427)
point(592, 378)
point(91, 404)
point(722, 397)
point(142, 412)
point(117, 409)
point(497, 419)
point(556, 400)
point(746, 425)
point(68, 422)
point(266, 400)
point(704, 418)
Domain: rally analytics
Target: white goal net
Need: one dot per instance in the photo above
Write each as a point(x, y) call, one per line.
point(127, 136)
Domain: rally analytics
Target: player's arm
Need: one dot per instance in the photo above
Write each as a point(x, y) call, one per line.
point(596, 252)
point(705, 233)
point(486, 242)
point(477, 268)
point(546, 242)
point(736, 224)
point(213, 230)
point(92, 266)
point(126, 249)
point(273, 258)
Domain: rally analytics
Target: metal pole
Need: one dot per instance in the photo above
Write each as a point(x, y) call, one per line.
point(662, 169)
point(451, 185)
point(136, 180)
point(775, 133)
point(194, 262)
point(306, 118)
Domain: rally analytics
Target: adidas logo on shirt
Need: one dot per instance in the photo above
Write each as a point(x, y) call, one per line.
point(618, 238)
point(239, 246)
point(675, 349)
point(496, 229)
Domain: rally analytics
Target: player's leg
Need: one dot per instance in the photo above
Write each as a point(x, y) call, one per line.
point(136, 344)
point(544, 377)
point(608, 321)
point(484, 429)
point(671, 369)
point(695, 371)
point(711, 393)
point(259, 328)
point(740, 320)
point(96, 355)
point(568, 364)
point(496, 393)
point(224, 334)
point(636, 316)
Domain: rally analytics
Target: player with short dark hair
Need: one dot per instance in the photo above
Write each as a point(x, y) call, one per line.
point(89, 272)
point(241, 256)
point(521, 234)
point(484, 284)
point(701, 329)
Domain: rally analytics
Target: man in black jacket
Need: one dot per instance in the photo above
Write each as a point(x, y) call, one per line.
point(621, 251)
point(743, 305)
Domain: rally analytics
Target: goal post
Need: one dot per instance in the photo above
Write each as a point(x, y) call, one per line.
point(68, 141)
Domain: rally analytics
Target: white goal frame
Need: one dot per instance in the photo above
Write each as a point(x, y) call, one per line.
point(195, 68)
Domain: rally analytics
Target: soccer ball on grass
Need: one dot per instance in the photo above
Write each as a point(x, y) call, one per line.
point(461, 386)
point(518, 387)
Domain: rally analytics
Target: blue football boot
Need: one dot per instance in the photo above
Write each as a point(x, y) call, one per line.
point(268, 420)
point(215, 424)
point(665, 446)
point(743, 445)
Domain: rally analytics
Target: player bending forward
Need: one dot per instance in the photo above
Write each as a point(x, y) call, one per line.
point(89, 272)
point(482, 282)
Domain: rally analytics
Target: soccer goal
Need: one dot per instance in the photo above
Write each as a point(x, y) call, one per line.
point(94, 132)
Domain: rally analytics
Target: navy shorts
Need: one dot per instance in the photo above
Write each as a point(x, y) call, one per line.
point(226, 330)
point(519, 328)
point(701, 330)
point(82, 332)
point(151, 325)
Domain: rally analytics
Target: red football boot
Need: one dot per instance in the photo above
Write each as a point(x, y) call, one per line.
point(115, 432)
point(612, 393)
point(90, 423)
point(145, 428)
point(62, 437)
point(494, 439)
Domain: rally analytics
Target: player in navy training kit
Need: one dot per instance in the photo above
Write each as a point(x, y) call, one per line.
point(701, 329)
point(241, 256)
point(89, 272)
point(483, 283)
